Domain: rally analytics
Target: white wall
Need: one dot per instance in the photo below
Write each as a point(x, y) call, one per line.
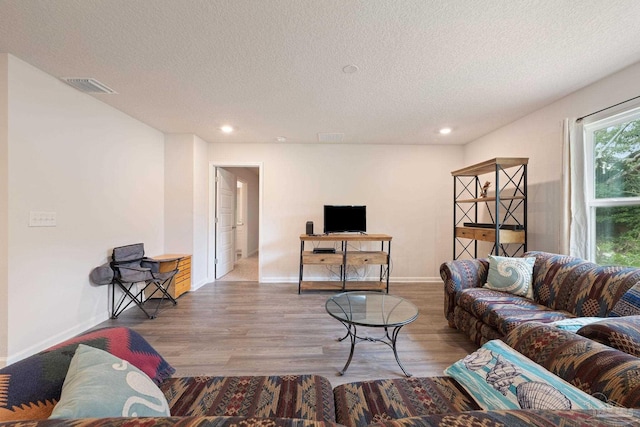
point(199, 267)
point(102, 172)
point(4, 206)
point(407, 191)
point(539, 137)
point(186, 201)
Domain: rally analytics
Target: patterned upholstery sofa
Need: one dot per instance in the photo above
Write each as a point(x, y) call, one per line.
point(30, 390)
point(564, 287)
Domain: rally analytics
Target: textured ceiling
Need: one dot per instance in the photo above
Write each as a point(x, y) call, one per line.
point(275, 67)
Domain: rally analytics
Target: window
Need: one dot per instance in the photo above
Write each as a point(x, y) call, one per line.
point(613, 188)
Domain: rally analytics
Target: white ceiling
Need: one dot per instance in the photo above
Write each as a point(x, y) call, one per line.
point(275, 67)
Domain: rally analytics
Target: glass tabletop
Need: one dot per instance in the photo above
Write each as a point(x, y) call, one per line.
point(371, 309)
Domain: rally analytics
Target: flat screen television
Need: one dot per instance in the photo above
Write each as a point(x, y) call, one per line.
point(344, 218)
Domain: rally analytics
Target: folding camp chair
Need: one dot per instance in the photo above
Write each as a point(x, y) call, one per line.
point(139, 279)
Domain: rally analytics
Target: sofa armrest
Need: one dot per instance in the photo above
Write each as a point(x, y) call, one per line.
point(458, 275)
point(622, 333)
point(601, 371)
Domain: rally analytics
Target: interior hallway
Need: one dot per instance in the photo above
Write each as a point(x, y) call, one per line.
point(244, 270)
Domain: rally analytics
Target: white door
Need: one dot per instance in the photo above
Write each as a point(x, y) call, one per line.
point(225, 221)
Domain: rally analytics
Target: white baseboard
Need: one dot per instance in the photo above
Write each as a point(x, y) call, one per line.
point(57, 338)
point(392, 280)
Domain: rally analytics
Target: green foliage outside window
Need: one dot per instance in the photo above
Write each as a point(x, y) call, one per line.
point(617, 175)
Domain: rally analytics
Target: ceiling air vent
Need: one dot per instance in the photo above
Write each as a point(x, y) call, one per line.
point(330, 137)
point(88, 85)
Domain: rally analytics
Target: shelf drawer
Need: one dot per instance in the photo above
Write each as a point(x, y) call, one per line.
point(489, 234)
point(465, 232)
point(181, 286)
point(363, 258)
point(309, 257)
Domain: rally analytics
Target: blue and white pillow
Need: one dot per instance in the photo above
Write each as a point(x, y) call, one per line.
point(512, 275)
point(99, 384)
point(498, 377)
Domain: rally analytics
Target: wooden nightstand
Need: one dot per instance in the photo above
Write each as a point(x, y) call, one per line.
point(181, 282)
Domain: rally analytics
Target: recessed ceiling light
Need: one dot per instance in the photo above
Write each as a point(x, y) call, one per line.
point(226, 129)
point(445, 131)
point(281, 139)
point(350, 69)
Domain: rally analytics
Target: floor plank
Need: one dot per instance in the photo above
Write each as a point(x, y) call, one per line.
point(250, 328)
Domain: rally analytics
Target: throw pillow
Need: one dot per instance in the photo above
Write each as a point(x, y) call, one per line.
point(498, 377)
point(512, 275)
point(100, 385)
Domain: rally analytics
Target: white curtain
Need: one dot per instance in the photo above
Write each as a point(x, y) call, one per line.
point(573, 236)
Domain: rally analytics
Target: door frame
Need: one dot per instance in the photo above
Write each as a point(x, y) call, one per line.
point(211, 245)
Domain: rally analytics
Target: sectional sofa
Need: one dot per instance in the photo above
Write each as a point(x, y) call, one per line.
point(562, 288)
point(113, 376)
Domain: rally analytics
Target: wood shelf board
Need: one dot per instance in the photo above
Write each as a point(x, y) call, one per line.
point(165, 257)
point(311, 253)
point(489, 166)
point(346, 237)
point(489, 199)
point(329, 285)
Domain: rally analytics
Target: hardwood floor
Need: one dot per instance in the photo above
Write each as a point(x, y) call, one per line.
point(247, 328)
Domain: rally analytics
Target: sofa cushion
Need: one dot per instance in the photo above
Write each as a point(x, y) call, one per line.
point(601, 371)
point(502, 311)
point(32, 386)
point(99, 384)
point(511, 275)
point(289, 396)
point(498, 377)
point(622, 333)
point(362, 403)
point(628, 304)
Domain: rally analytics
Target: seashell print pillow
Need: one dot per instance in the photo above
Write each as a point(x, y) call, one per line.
point(512, 275)
point(99, 384)
point(498, 377)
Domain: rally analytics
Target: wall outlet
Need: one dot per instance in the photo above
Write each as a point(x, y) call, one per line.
point(42, 219)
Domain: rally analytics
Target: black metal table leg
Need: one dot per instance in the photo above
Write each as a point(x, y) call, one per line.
point(394, 339)
point(352, 334)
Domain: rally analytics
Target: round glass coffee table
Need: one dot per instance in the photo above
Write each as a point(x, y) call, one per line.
point(372, 309)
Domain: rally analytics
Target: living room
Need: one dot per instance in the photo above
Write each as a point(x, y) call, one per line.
point(112, 179)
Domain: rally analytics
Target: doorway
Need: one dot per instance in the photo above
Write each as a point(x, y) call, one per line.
point(236, 223)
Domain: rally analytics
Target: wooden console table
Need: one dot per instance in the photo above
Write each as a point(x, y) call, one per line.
point(344, 257)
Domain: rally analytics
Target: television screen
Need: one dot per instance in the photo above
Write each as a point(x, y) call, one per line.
point(340, 219)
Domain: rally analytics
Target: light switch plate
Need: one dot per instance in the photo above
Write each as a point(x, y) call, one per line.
point(42, 219)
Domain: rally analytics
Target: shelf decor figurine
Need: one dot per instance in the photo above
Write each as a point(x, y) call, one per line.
point(484, 189)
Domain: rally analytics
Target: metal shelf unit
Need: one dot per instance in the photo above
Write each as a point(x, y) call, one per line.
point(499, 217)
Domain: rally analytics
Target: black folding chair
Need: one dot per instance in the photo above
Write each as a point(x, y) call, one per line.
point(139, 279)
